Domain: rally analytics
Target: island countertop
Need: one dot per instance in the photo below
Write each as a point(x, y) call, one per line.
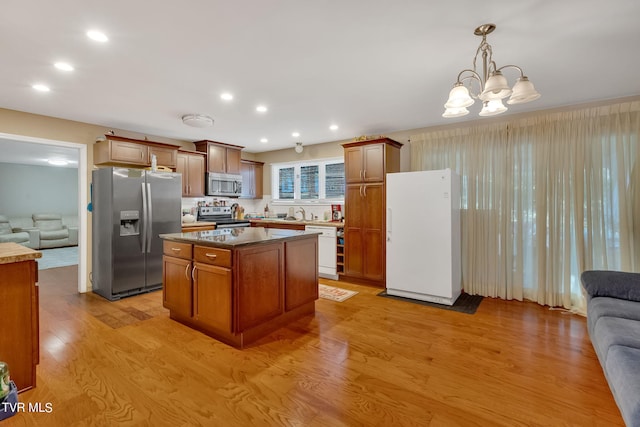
point(12, 252)
point(230, 238)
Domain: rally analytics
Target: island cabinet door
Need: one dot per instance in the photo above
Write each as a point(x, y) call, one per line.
point(301, 276)
point(260, 284)
point(176, 289)
point(212, 297)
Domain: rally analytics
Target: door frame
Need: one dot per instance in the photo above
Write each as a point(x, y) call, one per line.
point(83, 235)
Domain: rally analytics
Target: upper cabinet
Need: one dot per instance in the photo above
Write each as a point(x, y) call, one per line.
point(368, 161)
point(251, 179)
point(221, 158)
point(191, 166)
point(117, 150)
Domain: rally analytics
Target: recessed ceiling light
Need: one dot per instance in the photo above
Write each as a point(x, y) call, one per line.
point(226, 96)
point(333, 127)
point(41, 87)
point(295, 134)
point(264, 140)
point(63, 66)
point(57, 162)
point(97, 36)
point(261, 109)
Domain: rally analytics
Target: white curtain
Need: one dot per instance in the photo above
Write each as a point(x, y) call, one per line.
point(543, 199)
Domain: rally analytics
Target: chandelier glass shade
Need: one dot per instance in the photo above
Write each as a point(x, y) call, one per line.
point(492, 85)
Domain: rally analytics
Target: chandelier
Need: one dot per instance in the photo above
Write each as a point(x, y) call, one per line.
point(493, 86)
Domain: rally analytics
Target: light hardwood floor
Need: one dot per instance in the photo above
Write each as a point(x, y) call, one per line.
point(367, 361)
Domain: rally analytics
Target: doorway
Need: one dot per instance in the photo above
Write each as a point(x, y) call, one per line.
point(80, 150)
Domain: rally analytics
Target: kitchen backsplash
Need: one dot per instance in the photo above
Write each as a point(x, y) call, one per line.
point(256, 207)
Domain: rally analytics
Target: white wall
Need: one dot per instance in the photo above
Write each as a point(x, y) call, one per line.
point(25, 190)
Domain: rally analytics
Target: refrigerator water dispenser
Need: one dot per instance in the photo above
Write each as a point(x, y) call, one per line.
point(129, 223)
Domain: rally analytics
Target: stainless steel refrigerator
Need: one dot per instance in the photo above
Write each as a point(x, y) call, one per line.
point(423, 236)
point(131, 207)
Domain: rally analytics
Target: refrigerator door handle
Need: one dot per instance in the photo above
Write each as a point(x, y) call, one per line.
point(389, 222)
point(149, 219)
point(144, 218)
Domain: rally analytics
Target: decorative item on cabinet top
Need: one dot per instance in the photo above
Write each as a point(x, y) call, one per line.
point(368, 137)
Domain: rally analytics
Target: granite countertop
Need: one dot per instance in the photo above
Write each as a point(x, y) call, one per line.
point(304, 222)
point(13, 252)
point(230, 238)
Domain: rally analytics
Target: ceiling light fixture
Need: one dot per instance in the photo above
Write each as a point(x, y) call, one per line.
point(261, 109)
point(41, 87)
point(299, 147)
point(63, 66)
point(264, 140)
point(226, 96)
point(493, 87)
point(295, 134)
point(98, 36)
point(197, 120)
point(333, 127)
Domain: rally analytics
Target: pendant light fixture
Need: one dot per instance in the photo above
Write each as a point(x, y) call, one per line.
point(493, 85)
point(299, 147)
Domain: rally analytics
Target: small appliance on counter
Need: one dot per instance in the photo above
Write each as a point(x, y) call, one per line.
point(336, 213)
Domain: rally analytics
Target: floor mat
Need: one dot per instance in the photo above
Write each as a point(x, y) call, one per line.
point(334, 294)
point(464, 304)
point(58, 257)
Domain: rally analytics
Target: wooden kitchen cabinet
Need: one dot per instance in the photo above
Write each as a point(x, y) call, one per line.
point(191, 166)
point(176, 277)
point(212, 288)
point(19, 340)
point(117, 150)
point(366, 166)
point(251, 179)
point(221, 158)
point(164, 156)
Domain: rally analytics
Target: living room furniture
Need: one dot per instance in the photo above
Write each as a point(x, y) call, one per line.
point(613, 321)
point(28, 237)
point(19, 340)
point(53, 233)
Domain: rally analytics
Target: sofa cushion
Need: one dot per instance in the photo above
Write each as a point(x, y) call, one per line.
point(54, 234)
point(21, 237)
point(610, 331)
point(611, 307)
point(615, 284)
point(623, 374)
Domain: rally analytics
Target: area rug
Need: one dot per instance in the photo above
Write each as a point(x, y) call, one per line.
point(58, 257)
point(464, 304)
point(334, 294)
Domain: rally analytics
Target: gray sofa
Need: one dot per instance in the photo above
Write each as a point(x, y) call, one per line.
point(40, 231)
point(613, 320)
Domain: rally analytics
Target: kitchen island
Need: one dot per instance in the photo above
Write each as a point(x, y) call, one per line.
point(239, 284)
point(19, 340)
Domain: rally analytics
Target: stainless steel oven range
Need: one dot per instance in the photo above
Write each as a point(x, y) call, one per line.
point(222, 216)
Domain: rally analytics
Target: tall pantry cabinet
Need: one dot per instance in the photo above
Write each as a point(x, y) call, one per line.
point(366, 166)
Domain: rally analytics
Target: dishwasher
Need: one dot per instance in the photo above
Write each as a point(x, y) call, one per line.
point(326, 250)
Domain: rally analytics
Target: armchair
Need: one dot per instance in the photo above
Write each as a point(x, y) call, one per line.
point(53, 233)
point(26, 237)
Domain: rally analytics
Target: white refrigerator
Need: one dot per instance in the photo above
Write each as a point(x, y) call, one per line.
point(423, 235)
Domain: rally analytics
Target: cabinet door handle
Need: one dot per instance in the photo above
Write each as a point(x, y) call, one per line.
point(211, 256)
point(186, 271)
point(365, 190)
point(360, 174)
point(361, 191)
point(193, 271)
point(176, 250)
point(364, 175)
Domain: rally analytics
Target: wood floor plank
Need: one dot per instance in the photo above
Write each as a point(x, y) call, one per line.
point(367, 361)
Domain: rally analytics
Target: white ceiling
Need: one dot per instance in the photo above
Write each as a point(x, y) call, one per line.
point(369, 66)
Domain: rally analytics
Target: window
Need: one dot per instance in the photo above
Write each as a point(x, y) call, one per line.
point(308, 181)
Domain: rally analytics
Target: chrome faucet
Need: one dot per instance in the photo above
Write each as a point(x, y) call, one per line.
point(304, 214)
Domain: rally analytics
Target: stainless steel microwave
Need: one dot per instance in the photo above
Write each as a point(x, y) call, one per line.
point(225, 185)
